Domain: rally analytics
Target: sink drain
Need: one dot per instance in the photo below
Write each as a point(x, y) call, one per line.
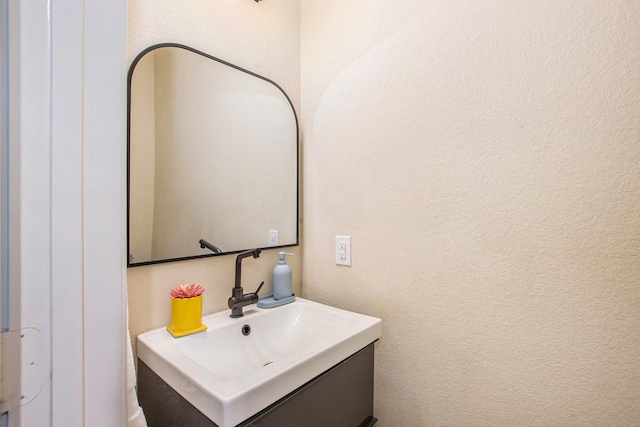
point(246, 330)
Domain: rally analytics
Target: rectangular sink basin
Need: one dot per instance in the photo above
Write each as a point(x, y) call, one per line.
point(238, 367)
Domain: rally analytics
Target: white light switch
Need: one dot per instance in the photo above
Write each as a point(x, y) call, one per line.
point(273, 237)
point(343, 250)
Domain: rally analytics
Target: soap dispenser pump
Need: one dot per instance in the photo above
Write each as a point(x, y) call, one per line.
point(282, 286)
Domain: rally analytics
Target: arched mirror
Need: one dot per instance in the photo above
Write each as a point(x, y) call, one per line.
point(213, 156)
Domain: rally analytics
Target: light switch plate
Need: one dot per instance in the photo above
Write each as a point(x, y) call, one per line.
point(273, 238)
point(343, 250)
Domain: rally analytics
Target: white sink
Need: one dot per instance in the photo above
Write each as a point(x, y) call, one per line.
point(229, 376)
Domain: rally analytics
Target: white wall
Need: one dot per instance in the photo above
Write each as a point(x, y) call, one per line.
point(263, 38)
point(485, 159)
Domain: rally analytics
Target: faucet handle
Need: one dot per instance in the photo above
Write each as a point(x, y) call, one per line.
point(259, 287)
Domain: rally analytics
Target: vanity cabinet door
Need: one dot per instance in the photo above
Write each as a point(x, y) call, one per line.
point(342, 396)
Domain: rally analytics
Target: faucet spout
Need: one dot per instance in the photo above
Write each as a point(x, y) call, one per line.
point(238, 298)
point(212, 248)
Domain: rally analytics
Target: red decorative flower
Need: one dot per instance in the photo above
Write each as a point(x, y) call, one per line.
point(187, 291)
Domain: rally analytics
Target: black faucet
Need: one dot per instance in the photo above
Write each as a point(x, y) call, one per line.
point(238, 298)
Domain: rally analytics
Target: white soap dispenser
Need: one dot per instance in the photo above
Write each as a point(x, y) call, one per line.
point(282, 287)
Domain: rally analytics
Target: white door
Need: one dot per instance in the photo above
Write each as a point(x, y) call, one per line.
point(26, 337)
point(63, 257)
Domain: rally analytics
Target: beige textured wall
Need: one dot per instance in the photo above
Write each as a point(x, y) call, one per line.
point(485, 159)
point(263, 38)
point(142, 154)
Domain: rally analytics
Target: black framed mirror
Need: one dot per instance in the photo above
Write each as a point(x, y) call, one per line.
point(212, 156)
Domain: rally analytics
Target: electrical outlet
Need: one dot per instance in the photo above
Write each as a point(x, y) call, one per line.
point(343, 250)
point(273, 237)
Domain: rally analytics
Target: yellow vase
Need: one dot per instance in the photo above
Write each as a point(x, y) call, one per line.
point(186, 316)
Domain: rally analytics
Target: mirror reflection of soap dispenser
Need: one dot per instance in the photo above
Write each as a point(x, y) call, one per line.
point(282, 283)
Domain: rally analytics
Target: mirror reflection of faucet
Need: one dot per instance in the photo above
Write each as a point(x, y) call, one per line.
point(238, 298)
point(212, 248)
point(282, 285)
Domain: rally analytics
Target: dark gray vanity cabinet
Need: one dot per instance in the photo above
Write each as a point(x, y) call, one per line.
point(341, 396)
